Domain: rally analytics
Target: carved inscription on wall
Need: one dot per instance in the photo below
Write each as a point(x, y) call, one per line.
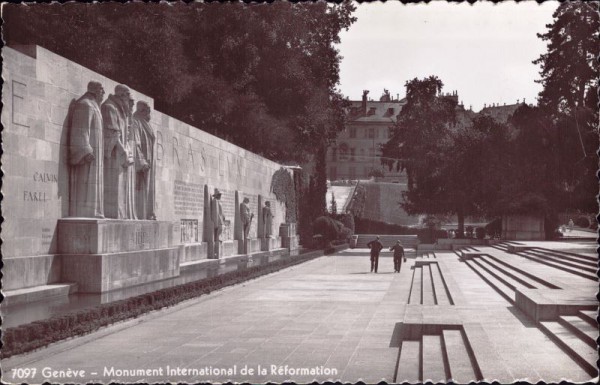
point(189, 230)
point(40, 196)
point(46, 236)
point(188, 197)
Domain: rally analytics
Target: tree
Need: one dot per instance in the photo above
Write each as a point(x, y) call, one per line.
point(333, 204)
point(569, 99)
point(569, 68)
point(260, 75)
point(420, 144)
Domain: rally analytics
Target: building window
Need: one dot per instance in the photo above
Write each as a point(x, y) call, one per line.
point(371, 133)
point(352, 154)
point(362, 154)
point(332, 173)
point(371, 153)
point(343, 152)
point(353, 132)
point(352, 173)
point(333, 154)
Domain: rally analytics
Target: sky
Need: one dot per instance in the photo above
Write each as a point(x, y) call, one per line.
point(484, 51)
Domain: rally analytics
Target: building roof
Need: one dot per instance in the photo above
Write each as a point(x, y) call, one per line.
point(500, 114)
point(376, 111)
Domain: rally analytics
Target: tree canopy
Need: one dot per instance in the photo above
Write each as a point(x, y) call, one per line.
point(569, 103)
point(263, 76)
point(569, 68)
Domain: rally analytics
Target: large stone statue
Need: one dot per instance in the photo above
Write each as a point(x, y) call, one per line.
point(246, 217)
point(218, 220)
point(144, 139)
point(119, 156)
point(86, 181)
point(268, 219)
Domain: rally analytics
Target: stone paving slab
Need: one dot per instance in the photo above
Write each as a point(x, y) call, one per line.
point(327, 319)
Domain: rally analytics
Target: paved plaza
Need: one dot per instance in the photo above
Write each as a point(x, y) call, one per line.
point(330, 319)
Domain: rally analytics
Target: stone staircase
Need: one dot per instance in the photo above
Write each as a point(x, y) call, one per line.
point(437, 358)
point(428, 286)
point(580, 265)
point(576, 335)
point(503, 277)
point(556, 311)
point(342, 195)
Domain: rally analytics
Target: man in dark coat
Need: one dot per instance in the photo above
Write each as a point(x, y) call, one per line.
point(398, 255)
point(375, 246)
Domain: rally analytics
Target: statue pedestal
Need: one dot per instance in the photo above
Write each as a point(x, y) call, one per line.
point(289, 238)
point(107, 254)
point(268, 244)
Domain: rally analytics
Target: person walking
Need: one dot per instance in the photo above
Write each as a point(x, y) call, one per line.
point(375, 246)
point(398, 256)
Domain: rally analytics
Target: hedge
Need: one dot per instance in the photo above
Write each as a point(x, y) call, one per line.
point(31, 336)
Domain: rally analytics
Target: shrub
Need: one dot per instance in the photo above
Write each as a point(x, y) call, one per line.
point(330, 229)
point(582, 222)
point(480, 233)
point(347, 220)
point(430, 236)
point(369, 226)
point(494, 228)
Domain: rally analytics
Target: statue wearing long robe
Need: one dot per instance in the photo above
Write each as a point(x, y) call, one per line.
point(86, 180)
point(267, 220)
point(118, 175)
point(144, 164)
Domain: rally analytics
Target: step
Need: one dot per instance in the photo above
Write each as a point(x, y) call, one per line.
point(509, 275)
point(564, 261)
point(433, 359)
point(589, 316)
point(428, 297)
point(506, 280)
point(461, 368)
point(38, 293)
point(580, 256)
point(415, 291)
point(500, 287)
point(559, 266)
point(566, 257)
point(579, 351)
point(409, 362)
point(581, 328)
point(524, 273)
point(440, 290)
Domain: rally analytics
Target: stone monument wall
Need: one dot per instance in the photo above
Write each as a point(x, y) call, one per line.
point(38, 90)
point(188, 158)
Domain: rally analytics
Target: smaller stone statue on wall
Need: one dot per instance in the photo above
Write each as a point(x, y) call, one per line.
point(144, 139)
point(218, 220)
point(86, 166)
point(246, 217)
point(268, 219)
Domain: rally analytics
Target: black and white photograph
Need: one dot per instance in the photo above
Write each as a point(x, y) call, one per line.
point(306, 192)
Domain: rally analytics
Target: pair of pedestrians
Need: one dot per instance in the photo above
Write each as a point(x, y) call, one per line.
point(376, 246)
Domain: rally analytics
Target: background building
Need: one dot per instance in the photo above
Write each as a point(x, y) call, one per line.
point(356, 153)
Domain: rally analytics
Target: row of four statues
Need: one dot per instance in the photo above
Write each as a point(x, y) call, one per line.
point(111, 156)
